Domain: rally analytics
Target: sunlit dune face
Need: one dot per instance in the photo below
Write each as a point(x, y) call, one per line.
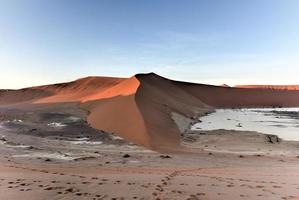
point(90, 90)
point(125, 88)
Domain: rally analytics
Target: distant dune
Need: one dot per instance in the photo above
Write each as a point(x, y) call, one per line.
point(148, 109)
point(273, 87)
point(232, 97)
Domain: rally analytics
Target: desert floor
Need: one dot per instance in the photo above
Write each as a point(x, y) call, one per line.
point(55, 155)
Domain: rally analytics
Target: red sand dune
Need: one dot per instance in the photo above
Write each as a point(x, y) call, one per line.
point(77, 90)
point(224, 97)
point(140, 108)
point(273, 87)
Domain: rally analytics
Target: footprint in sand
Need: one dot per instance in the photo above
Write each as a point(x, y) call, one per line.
point(259, 186)
point(193, 197)
point(53, 188)
point(155, 194)
point(71, 190)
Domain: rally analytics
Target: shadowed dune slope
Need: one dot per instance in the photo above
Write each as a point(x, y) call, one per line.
point(141, 108)
point(22, 95)
point(157, 98)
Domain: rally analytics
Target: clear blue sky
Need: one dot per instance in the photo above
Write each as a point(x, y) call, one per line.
point(206, 41)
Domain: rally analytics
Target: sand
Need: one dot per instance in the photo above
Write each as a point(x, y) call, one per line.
point(222, 165)
point(147, 183)
point(129, 138)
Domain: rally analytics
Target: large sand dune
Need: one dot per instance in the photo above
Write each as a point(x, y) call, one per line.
point(141, 108)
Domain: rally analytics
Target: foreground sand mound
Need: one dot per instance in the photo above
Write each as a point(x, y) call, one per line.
point(142, 109)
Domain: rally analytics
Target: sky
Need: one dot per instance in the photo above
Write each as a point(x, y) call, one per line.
point(205, 41)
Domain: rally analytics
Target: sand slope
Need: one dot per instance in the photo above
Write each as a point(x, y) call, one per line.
point(77, 90)
point(156, 99)
point(23, 95)
point(241, 97)
point(140, 109)
point(118, 114)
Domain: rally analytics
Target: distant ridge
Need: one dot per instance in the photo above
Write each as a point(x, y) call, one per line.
point(225, 85)
point(272, 87)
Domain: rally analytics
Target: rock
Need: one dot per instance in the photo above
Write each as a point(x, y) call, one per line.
point(85, 158)
point(165, 156)
point(48, 160)
point(190, 139)
point(30, 148)
point(258, 155)
point(3, 139)
point(273, 139)
point(239, 125)
point(126, 156)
